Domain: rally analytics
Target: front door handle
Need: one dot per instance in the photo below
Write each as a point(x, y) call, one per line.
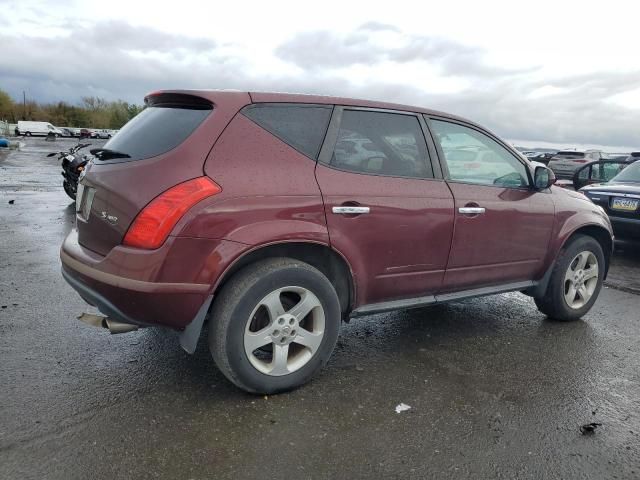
point(350, 210)
point(471, 210)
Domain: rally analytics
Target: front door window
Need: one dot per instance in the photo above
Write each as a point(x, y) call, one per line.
point(473, 157)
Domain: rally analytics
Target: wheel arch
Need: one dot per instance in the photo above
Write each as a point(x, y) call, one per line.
point(319, 255)
point(601, 235)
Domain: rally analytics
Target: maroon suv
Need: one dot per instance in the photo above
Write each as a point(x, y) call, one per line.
point(276, 216)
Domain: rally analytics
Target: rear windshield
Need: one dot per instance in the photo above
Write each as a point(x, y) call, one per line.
point(569, 155)
point(157, 129)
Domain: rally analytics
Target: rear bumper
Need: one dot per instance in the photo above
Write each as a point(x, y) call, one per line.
point(163, 287)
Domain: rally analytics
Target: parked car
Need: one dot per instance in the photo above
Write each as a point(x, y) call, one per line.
point(620, 198)
point(542, 157)
point(633, 156)
point(28, 128)
point(600, 172)
point(66, 132)
point(261, 220)
point(86, 133)
point(103, 133)
point(566, 162)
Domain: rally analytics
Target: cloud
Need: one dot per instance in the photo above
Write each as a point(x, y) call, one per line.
point(119, 35)
point(378, 26)
point(325, 49)
point(114, 59)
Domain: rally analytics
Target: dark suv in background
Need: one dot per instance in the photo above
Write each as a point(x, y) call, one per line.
point(276, 216)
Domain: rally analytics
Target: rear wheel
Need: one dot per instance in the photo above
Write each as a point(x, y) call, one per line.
point(274, 325)
point(576, 280)
point(27, 134)
point(69, 190)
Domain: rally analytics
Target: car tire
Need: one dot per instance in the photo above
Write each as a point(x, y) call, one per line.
point(577, 274)
point(27, 134)
point(68, 189)
point(265, 306)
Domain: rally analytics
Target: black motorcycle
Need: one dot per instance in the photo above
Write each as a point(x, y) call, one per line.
point(73, 163)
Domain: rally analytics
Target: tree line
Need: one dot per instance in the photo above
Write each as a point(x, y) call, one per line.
point(91, 112)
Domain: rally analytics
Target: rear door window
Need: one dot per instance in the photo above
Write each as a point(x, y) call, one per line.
point(163, 125)
point(381, 143)
point(301, 126)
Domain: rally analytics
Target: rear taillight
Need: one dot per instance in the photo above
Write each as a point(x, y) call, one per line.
point(154, 223)
point(584, 160)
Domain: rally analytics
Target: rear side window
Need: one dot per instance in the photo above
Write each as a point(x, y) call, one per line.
point(160, 127)
point(301, 126)
point(381, 143)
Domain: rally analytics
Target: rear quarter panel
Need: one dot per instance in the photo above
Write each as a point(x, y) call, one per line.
point(269, 192)
point(123, 189)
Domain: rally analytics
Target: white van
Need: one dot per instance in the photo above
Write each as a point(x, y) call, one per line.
point(37, 128)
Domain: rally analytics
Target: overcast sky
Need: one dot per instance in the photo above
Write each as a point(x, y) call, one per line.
point(557, 71)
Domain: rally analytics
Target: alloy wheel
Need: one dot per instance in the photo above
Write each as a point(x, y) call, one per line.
point(581, 279)
point(284, 331)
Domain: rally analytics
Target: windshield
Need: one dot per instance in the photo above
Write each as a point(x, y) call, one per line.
point(629, 174)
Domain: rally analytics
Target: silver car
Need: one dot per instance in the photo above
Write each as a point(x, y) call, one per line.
point(566, 162)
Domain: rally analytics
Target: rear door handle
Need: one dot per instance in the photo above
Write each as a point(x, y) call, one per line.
point(350, 210)
point(471, 210)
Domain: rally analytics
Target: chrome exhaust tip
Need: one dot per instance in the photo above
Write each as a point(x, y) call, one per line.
point(105, 322)
point(118, 327)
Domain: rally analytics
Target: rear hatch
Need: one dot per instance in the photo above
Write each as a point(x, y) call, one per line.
point(166, 144)
point(567, 162)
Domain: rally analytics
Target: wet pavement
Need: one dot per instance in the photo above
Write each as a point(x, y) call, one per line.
point(495, 389)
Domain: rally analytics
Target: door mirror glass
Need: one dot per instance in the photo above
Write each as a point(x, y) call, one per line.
point(543, 178)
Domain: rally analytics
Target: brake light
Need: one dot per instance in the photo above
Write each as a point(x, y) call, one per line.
point(153, 224)
point(584, 160)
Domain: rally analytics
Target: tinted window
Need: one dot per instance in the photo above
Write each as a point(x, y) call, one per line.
point(157, 130)
point(381, 143)
point(303, 127)
point(571, 155)
point(474, 157)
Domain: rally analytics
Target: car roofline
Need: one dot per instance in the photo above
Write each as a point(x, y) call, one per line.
point(283, 97)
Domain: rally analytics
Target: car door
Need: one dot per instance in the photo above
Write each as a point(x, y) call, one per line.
point(598, 172)
point(387, 211)
point(502, 225)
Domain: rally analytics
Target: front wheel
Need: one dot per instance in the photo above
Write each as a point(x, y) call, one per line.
point(274, 325)
point(576, 280)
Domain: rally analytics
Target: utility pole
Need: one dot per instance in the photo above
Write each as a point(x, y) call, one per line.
point(24, 106)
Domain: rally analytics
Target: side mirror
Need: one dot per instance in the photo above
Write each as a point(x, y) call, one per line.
point(543, 177)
